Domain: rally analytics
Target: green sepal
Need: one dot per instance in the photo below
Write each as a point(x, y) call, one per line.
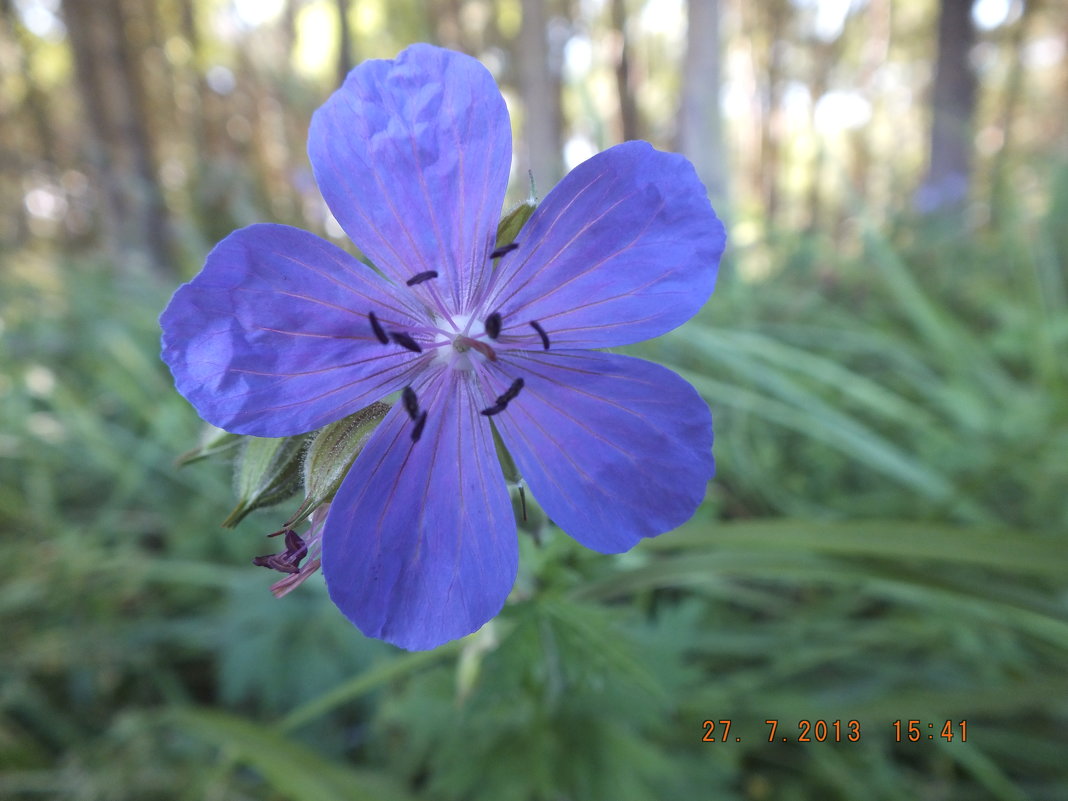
point(267, 472)
point(213, 441)
point(508, 468)
point(529, 516)
point(331, 453)
point(515, 218)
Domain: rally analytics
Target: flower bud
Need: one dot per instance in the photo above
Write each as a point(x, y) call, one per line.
point(331, 453)
point(267, 472)
point(213, 441)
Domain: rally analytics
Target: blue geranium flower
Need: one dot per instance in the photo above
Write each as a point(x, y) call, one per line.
point(282, 333)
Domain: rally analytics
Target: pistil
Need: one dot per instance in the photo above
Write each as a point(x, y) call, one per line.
point(463, 344)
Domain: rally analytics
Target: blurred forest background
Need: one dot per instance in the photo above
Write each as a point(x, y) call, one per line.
point(884, 357)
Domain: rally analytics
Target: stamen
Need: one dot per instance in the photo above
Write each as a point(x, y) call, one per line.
point(411, 403)
point(463, 344)
point(504, 250)
point(376, 326)
point(541, 333)
point(493, 325)
point(523, 502)
point(405, 341)
point(502, 400)
point(289, 560)
point(417, 429)
point(418, 278)
point(295, 544)
point(275, 561)
point(484, 349)
point(511, 392)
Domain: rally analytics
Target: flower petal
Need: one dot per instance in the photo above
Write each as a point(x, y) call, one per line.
point(412, 156)
point(272, 337)
point(614, 448)
point(420, 544)
point(625, 248)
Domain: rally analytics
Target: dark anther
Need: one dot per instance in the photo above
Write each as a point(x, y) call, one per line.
point(289, 560)
point(511, 392)
point(296, 548)
point(541, 333)
point(418, 278)
point(493, 325)
point(503, 250)
point(417, 429)
point(406, 341)
point(377, 328)
point(502, 400)
point(523, 502)
point(411, 403)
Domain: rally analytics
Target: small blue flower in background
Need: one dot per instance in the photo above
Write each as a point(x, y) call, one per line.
point(282, 333)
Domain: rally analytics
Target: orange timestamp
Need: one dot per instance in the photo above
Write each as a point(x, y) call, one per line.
point(837, 731)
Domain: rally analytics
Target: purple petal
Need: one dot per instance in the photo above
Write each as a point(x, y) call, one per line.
point(420, 545)
point(625, 248)
point(614, 448)
point(412, 156)
point(272, 337)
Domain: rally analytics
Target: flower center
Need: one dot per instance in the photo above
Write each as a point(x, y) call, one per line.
point(464, 347)
point(463, 344)
point(459, 342)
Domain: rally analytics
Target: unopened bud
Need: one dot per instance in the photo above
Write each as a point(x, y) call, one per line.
point(213, 441)
point(267, 472)
point(331, 453)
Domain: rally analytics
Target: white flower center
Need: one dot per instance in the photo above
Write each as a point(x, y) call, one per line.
point(467, 340)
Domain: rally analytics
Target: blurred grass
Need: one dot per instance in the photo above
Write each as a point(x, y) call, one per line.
point(885, 540)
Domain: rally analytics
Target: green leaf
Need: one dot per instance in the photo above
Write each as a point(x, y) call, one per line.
point(290, 768)
point(365, 683)
point(1010, 551)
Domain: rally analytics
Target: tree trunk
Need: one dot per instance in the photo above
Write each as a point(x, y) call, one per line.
point(43, 141)
point(1013, 96)
point(539, 82)
point(628, 108)
point(776, 16)
point(869, 139)
point(948, 178)
point(445, 22)
point(134, 216)
point(700, 132)
point(287, 26)
point(824, 57)
point(344, 41)
point(27, 148)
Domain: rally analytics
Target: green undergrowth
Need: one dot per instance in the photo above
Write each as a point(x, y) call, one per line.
point(884, 541)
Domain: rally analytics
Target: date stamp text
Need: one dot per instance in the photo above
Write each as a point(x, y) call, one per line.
point(835, 731)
